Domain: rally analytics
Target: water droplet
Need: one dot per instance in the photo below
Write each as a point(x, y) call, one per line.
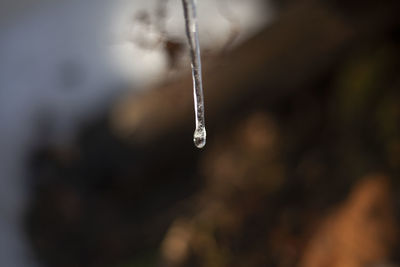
point(189, 8)
point(199, 137)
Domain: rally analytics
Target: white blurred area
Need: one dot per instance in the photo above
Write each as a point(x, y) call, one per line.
point(63, 61)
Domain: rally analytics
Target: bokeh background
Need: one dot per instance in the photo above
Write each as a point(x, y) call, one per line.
point(302, 163)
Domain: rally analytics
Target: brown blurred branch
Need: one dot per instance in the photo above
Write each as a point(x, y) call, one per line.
point(300, 46)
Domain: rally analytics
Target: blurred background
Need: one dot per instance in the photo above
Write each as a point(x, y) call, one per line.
point(302, 162)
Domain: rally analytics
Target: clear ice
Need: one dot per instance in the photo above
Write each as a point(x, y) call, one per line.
point(189, 8)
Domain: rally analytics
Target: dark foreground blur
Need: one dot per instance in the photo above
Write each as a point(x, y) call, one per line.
point(301, 168)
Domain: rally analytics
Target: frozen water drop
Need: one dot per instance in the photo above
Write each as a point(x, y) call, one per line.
point(199, 137)
point(189, 8)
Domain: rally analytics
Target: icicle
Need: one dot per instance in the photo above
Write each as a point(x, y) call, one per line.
point(189, 8)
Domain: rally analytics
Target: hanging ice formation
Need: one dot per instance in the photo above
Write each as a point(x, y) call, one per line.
point(189, 8)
